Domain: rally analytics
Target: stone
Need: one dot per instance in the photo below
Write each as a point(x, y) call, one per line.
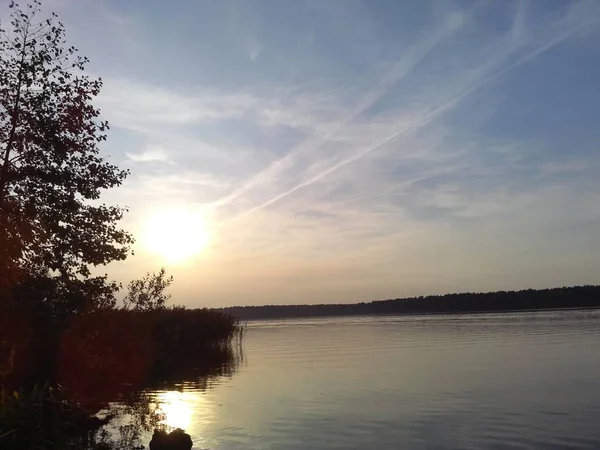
point(175, 440)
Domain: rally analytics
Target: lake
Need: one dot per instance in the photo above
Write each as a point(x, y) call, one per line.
point(517, 380)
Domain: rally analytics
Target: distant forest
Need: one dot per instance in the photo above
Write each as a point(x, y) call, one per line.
point(530, 299)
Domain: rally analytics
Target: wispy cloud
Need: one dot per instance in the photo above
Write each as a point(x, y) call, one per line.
point(421, 119)
point(570, 166)
point(398, 71)
point(134, 105)
point(395, 147)
point(254, 49)
point(149, 155)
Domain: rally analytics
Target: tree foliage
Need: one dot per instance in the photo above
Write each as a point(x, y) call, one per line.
point(52, 225)
point(149, 292)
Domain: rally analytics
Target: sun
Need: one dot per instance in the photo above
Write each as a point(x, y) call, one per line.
point(176, 234)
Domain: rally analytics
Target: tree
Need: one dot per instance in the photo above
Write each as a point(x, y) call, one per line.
point(52, 226)
point(148, 293)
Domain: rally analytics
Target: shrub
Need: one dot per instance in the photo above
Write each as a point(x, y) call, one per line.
point(16, 349)
point(104, 355)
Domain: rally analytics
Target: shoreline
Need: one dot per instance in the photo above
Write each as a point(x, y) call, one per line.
point(450, 313)
point(555, 299)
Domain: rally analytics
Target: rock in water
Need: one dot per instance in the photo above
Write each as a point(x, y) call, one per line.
point(175, 440)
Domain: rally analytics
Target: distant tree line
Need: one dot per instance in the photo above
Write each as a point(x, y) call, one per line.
point(530, 299)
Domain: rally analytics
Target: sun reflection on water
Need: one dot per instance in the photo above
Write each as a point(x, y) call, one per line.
point(190, 409)
point(177, 408)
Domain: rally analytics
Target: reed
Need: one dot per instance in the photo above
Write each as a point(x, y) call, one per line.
point(97, 359)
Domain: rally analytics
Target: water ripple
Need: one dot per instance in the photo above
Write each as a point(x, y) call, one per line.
point(505, 381)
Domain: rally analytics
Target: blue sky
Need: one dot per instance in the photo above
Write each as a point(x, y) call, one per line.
point(346, 151)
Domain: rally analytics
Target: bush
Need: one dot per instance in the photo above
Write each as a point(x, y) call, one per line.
point(16, 349)
point(104, 355)
point(39, 418)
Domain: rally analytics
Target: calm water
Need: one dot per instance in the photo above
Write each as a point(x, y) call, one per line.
point(527, 380)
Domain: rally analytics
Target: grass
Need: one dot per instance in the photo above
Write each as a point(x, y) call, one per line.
point(98, 359)
point(39, 418)
point(42, 418)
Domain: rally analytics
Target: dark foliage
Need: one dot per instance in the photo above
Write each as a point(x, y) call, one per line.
point(99, 358)
point(148, 293)
point(59, 328)
point(42, 417)
point(16, 348)
point(530, 299)
point(193, 343)
point(51, 170)
point(104, 355)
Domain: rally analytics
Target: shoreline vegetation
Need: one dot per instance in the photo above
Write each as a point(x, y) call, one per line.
point(56, 377)
point(71, 347)
point(564, 298)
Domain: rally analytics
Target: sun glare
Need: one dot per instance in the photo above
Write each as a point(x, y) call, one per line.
point(176, 234)
point(177, 409)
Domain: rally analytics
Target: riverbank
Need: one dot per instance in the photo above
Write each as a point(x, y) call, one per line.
point(56, 376)
point(566, 298)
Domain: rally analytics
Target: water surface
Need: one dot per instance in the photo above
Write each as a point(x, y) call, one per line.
point(519, 380)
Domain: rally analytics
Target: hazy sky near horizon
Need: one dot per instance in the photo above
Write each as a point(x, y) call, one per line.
point(344, 151)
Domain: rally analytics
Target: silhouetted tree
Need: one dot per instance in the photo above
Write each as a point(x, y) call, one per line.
point(51, 174)
point(149, 292)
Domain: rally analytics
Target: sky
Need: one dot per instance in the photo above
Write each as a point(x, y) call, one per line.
point(344, 151)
